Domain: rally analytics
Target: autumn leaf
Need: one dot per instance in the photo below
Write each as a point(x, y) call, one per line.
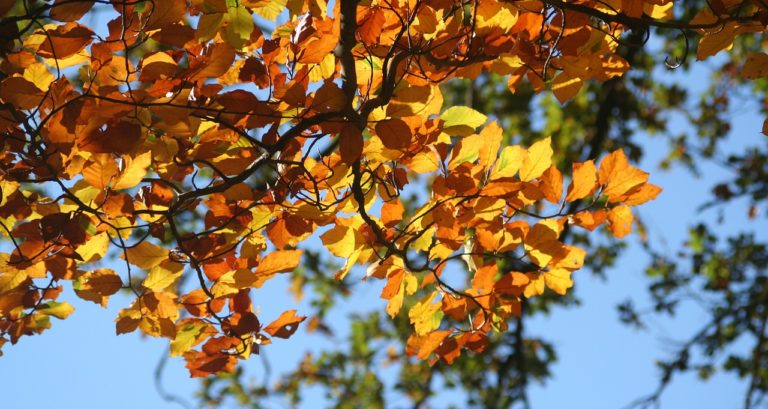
point(618, 176)
point(537, 160)
point(565, 86)
point(98, 285)
point(426, 316)
point(620, 221)
point(60, 310)
point(134, 169)
point(558, 280)
point(163, 275)
point(394, 133)
point(190, 332)
point(509, 162)
point(145, 255)
point(285, 325)
point(279, 262)
point(755, 67)
point(584, 181)
point(65, 40)
point(463, 121)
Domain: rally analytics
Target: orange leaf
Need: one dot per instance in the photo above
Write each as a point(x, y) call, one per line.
point(552, 184)
point(484, 278)
point(218, 61)
point(423, 346)
point(100, 170)
point(584, 181)
point(285, 325)
point(620, 221)
point(589, 220)
point(542, 242)
point(642, 194)
point(392, 212)
point(565, 86)
point(619, 177)
point(201, 365)
point(281, 261)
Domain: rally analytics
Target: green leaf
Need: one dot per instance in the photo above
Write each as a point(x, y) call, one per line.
point(461, 120)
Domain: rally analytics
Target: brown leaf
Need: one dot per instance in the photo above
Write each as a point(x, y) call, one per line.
point(65, 40)
point(394, 133)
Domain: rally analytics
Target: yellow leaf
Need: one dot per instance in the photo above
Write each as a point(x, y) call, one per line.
point(39, 75)
point(426, 316)
point(538, 159)
point(351, 260)
point(10, 276)
point(146, 255)
point(542, 242)
point(340, 240)
point(620, 221)
point(425, 161)
point(410, 100)
point(558, 280)
point(134, 169)
point(659, 11)
point(95, 248)
point(535, 285)
point(271, 10)
point(239, 27)
point(163, 275)
point(190, 332)
point(509, 162)
point(60, 310)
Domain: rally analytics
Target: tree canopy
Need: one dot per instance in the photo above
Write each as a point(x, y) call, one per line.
point(188, 152)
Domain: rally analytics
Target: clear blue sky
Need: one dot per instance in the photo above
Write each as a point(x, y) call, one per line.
point(80, 363)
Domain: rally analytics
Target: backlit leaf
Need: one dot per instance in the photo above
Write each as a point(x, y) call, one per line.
point(146, 255)
point(584, 181)
point(537, 160)
point(425, 316)
point(285, 325)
